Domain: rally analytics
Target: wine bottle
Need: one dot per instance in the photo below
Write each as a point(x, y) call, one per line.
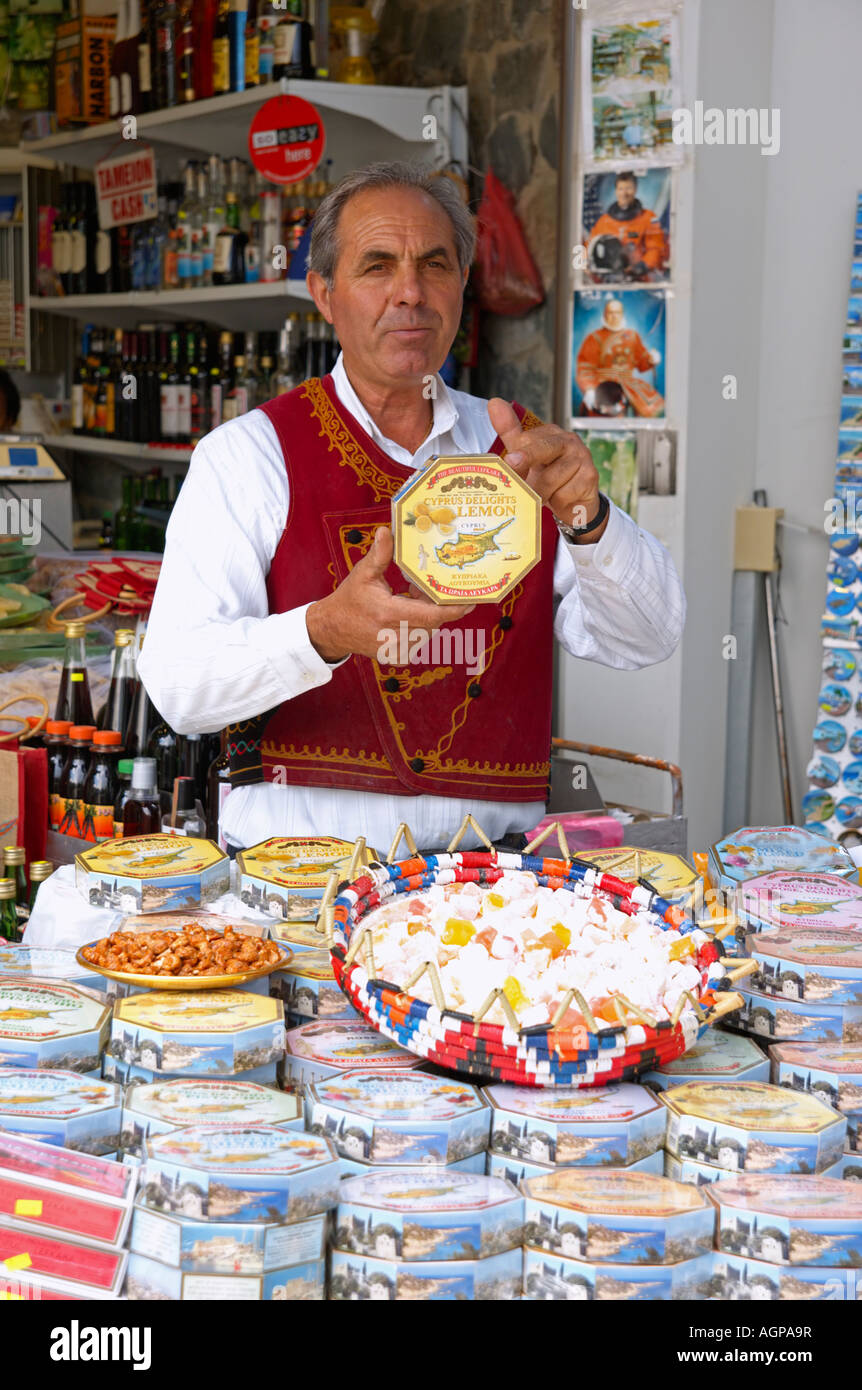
point(185, 51)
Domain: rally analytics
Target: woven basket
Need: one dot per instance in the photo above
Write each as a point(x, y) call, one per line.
point(543, 1055)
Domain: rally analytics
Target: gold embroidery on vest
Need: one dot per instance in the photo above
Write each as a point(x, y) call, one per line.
point(335, 431)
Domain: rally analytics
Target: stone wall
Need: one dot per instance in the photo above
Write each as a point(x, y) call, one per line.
point(507, 54)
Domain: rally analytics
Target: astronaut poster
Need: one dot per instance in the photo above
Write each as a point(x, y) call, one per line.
point(614, 453)
point(626, 227)
point(630, 90)
point(618, 350)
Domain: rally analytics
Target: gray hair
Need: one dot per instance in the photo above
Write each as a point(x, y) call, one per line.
point(323, 251)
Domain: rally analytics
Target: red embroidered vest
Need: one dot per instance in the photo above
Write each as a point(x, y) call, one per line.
point(413, 729)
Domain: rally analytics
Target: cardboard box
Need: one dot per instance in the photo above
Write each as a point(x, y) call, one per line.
point(62, 1108)
point(317, 1050)
point(792, 899)
point(796, 1220)
point(757, 849)
point(616, 1217)
point(830, 1072)
point(82, 69)
point(308, 988)
point(436, 1215)
point(59, 1266)
point(130, 1076)
point(798, 1020)
point(219, 1247)
point(287, 876)
point(404, 1118)
point(738, 1279)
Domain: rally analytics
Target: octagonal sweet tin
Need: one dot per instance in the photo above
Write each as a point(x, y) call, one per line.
point(240, 1173)
point(113, 1069)
point(408, 1117)
point(317, 1050)
point(752, 1126)
point(43, 1024)
point(701, 1174)
point(514, 1170)
point(363, 1167)
point(800, 1020)
point(477, 1281)
point(759, 849)
point(301, 937)
point(715, 1056)
point(308, 988)
point(44, 963)
point(466, 529)
point(821, 967)
point(152, 873)
point(829, 1071)
point(559, 1277)
point(170, 1105)
point(669, 874)
point(286, 877)
point(62, 1108)
point(151, 1280)
point(736, 1279)
point(790, 899)
point(434, 1215)
point(201, 1033)
point(797, 1220)
point(601, 1125)
point(221, 1247)
point(616, 1217)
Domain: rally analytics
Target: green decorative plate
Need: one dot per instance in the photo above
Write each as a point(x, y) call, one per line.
point(31, 605)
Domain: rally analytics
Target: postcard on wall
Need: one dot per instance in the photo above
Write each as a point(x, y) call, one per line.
point(631, 89)
point(618, 349)
point(626, 226)
point(614, 454)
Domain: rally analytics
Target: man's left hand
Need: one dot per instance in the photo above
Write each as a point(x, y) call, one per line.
point(555, 464)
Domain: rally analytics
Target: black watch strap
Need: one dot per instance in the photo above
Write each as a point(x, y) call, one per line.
point(573, 533)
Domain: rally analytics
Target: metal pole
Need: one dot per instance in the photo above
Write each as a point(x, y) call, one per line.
point(775, 669)
point(568, 136)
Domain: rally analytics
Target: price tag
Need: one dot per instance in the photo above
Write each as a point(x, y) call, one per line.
point(22, 1261)
point(28, 1206)
point(286, 139)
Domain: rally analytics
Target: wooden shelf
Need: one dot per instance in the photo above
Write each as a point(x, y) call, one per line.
point(118, 448)
point(237, 307)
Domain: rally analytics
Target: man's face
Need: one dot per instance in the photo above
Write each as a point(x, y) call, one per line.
point(625, 191)
point(397, 290)
point(614, 314)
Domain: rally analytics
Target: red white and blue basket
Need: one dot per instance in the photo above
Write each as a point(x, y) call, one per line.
point(543, 1055)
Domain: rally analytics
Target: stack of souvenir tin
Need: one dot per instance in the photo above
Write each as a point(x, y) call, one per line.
point(716, 1056)
point(195, 1033)
point(833, 1073)
point(166, 1106)
point(534, 1131)
point(232, 1212)
point(388, 1119)
point(720, 1127)
point(41, 963)
point(317, 1050)
point(308, 989)
point(427, 1233)
point(46, 1024)
point(669, 875)
point(152, 873)
point(755, 850)
point(64, 1217)
point(786, 1238)
point(615, 1235)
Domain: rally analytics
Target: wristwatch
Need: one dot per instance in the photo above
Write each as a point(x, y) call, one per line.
point(574, 533)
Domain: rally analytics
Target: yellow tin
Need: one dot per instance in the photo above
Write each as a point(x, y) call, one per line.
point(466, 529)
point(669, 874)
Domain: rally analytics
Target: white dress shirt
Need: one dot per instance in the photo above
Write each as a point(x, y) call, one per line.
point(215, 655)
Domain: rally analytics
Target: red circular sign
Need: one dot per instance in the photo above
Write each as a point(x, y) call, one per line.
point(286, 139)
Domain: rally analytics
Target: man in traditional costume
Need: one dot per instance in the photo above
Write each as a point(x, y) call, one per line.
point(278, 588)
point(606, 364)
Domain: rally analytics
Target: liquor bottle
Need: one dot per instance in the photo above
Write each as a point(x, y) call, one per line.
point(188, 225)
point(165, 70)
point(78, 243)
point(286, 376)
point(9, 928)
point(40, 870)
point(218, 788)
point(309, 346)
point(185, 51)
point(121, 260)
point(250, 378)
point(57, 731)
point(143, 719)
point(73, 777)
point(292, 44)
point(186, 815)
point(140, 256)
point(221, 49)
point(252, 46)
point(236, 47)
point(142, 814)
point(103, 269)
point(60, 258)
point(272, 266)
point(193, 762)
point(204, 12)
point(124, 521)
point(265, 376)
point(100, 786)
point(171, 257)
point(254, 245)
point(201, 390)
point(114, 713)
point(130, 92)
point(169, 398)
point(213, 214)
point(266, 48)
point(184, 390)
point(320, 47)
point(73, 697)
point(163, 747)
point(79, 376)
point(229, 260)
point(121, 34)
point(235, 401)
point(221, 379)
point(14, 857)
point(145, 63)
point(124, 791)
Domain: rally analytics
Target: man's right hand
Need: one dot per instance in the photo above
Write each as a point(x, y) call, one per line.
point(354, 619)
